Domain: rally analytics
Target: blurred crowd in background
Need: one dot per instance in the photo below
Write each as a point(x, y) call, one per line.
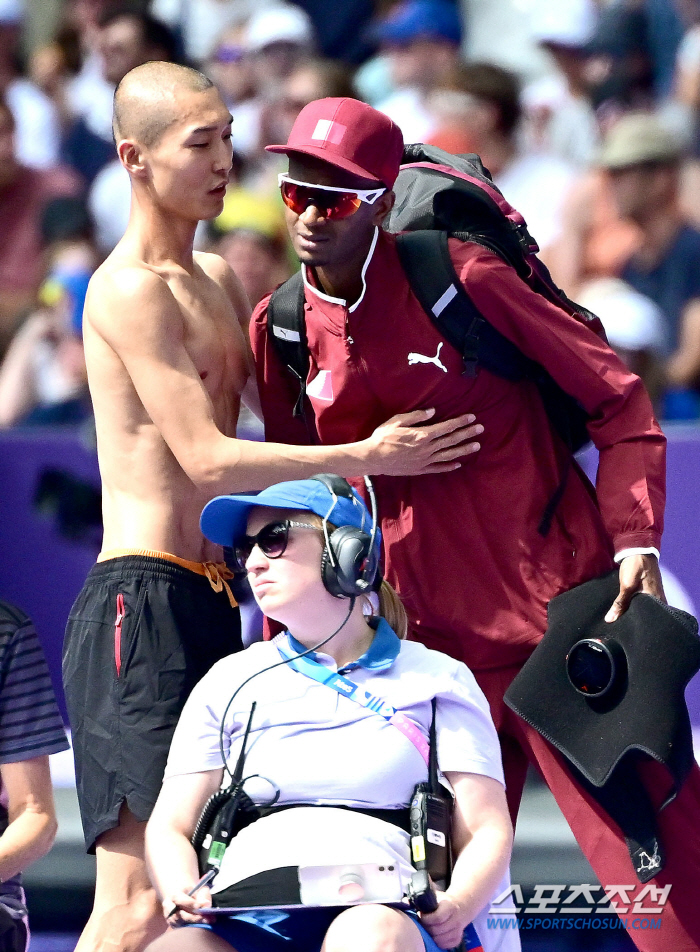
point(585, 112)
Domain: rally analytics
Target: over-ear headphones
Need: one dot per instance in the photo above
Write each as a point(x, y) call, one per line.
point(350, 563)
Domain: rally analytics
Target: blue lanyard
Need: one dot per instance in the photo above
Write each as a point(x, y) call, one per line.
point(347, 688)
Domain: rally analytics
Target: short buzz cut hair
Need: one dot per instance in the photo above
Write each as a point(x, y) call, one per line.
point(144, 99)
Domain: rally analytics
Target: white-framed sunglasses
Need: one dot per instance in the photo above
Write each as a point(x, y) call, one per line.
point(335, 202)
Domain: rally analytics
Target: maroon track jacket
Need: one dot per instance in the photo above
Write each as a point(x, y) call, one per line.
point(462, 548)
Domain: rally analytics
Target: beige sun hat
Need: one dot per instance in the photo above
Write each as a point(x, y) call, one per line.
point(638, 138)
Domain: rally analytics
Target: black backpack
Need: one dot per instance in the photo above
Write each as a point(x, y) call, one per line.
point(440, 195)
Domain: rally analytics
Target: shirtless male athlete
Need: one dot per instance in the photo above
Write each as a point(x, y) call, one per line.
point(168, 361)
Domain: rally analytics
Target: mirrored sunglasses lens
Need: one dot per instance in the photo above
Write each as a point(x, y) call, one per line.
point(335, 205)
point(345, 205)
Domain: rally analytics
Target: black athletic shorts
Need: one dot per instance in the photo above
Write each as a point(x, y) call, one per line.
point(141, 634)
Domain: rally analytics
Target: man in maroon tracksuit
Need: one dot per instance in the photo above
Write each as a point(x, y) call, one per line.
point(463, 547)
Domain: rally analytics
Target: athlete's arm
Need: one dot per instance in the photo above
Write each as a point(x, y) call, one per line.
point(136, 315)
point(482, 837)
point(170, 856)
point(631, 468)
point(32, 827)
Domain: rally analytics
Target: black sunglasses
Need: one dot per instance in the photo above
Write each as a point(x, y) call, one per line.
point(272, 540)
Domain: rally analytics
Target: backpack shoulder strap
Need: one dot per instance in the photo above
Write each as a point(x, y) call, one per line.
point(286, 327)
point(425, 258)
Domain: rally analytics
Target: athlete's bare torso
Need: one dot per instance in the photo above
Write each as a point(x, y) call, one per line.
point(148, 500)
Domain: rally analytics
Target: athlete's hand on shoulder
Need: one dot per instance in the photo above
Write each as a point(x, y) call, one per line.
point(638, 573)
point(407, 446)
point(181, 908)
point(447, 924)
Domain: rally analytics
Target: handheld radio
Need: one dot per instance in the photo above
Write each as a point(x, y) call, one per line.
point(430, 827)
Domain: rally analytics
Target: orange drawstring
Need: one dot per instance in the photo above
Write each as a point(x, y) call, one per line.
point(216, 572)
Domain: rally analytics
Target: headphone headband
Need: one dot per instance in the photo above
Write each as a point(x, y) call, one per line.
point(350, 563)
point(336, 485)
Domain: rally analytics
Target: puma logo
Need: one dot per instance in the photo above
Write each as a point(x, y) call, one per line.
point(422, 359)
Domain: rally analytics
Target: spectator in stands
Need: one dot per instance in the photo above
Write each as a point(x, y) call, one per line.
point(559, 115)
point(43, 380)
point(35, 117)
point(342, 28)
point(88, 93)
point(200, 22)
point(278, 39)
point(51, 70)
point(421, 39)
point(620, 68)
point(24, 193)
point(594, 242)
point(478, 110)
point(30, 730)
point(109, 200)
point(251, 65)
point(312, 79)
point(258, 257)
point(229, 68)
point(643, 161)
point(127, 37)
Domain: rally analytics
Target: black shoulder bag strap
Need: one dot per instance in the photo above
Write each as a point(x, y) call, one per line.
point(426, 261)
point(425, 257)
point(287, 329)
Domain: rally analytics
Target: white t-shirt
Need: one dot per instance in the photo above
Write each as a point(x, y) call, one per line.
point(321, 748)
point(570, 130)
point(91, 97)
point(37, 128)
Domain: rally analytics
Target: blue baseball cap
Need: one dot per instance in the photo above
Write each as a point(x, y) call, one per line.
point(437, 19)
point(224, 519)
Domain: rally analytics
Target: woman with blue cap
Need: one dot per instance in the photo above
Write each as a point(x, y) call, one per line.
point(331, 723)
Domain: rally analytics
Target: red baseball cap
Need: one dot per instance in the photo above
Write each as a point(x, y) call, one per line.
point(349, 134)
